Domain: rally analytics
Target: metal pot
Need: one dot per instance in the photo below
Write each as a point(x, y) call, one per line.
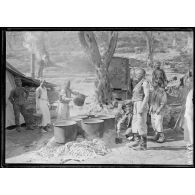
point(65, 131)
point(109, 121)
point(82, 116)
point(78, 121)
point(93, 128)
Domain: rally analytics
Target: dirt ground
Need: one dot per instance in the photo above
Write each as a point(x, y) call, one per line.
point(22, 146)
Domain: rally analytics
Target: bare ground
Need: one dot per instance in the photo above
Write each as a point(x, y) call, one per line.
point(21, 148)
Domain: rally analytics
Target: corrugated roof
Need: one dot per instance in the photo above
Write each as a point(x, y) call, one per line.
point(35, 82)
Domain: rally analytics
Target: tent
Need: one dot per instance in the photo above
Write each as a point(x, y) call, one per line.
point(12, 72)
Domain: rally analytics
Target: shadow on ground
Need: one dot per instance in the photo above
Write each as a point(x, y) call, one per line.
point(170, 148)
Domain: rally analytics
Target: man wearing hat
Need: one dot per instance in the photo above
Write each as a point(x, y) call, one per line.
point(18, 97)
point(140, 108)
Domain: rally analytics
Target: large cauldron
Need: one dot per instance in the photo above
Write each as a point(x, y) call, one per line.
point(93, 128)
point(65, 131)
point(109, 121)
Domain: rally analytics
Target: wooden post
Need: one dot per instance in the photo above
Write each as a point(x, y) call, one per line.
point(33, 65)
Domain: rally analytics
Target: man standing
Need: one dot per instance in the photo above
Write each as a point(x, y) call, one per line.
point(159, 77)
point(157, 108)
point(42, 105)
point(188, 126)
point(188, 131)
point(18, 97)
point(140, 109)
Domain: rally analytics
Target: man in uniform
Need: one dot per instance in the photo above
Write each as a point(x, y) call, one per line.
point(140, 109)
point(18, 97)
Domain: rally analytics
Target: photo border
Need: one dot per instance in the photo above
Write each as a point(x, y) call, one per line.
point(3, 71)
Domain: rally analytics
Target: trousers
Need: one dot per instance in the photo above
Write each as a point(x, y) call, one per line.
point(20, 109)
point(157, 122)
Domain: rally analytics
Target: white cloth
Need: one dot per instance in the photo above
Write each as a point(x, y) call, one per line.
point(42, 106)
point(139, 124)
point(64, 107)
point(63, 111)
point(189, 115)
point(157, 122)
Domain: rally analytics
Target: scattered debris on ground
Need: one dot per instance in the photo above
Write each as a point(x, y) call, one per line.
point(79, 150)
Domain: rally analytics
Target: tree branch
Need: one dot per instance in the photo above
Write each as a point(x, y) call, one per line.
point(88, 41)
point(107, 57)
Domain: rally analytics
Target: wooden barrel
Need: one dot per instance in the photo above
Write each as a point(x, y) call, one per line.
point(93, 128)
point(65, 131)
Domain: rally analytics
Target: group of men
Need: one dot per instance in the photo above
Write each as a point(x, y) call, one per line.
point(18, 97)
point(143, 102)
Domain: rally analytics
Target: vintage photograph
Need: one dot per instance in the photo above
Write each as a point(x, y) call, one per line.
point(102, 97)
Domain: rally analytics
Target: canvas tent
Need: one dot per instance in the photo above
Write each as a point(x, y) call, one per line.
point(11, 73)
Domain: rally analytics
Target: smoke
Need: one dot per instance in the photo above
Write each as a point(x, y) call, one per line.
point(35, 43)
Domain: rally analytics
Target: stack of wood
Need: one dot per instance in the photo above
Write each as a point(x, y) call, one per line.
point(31, 105)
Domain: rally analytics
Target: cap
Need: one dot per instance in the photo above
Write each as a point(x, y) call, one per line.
point(140, 72)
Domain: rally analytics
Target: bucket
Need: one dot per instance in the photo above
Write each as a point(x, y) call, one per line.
point(93, 127)
point(79, 100)
point(109, 121)
point(65, 131)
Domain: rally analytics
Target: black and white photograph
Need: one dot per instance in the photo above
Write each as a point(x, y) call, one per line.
point(99, 96)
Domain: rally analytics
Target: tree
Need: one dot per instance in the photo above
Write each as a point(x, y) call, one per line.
point(101, 63)
point(150, 47)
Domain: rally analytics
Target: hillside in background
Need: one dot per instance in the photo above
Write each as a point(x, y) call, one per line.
point(66, 51)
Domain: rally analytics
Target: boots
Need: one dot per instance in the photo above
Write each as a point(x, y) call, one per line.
point(142, 144)
point(135, 142)
point(156, 136)
point(161, 138)
point(29, 127)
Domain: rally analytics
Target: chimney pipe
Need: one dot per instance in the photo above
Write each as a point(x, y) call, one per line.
point(33, 65)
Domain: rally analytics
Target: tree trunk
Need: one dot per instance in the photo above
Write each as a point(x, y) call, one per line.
point(102, 82)
point(150, 45)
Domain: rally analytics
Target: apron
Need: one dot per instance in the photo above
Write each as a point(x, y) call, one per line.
point(63, 107)
point(44, 108)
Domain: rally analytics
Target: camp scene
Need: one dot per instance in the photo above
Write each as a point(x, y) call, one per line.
point(99, 97)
